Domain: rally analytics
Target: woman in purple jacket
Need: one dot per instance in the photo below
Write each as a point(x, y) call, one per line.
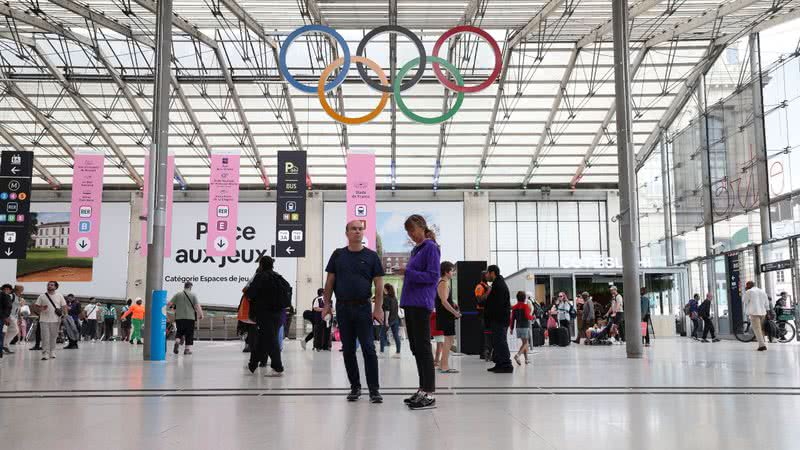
point(417, 299)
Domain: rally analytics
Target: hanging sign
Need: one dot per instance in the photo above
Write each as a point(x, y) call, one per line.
point(87, 199)
point(16, 170)
point(776, 265)
point(223, 203)
point(361, 193)
point(170, 183)
point(290, 220)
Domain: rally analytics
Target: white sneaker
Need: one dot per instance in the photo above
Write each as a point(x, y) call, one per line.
point(44, 357)
point(52, 355)
point(303, 343)
point(271, 373)
point(396, 356)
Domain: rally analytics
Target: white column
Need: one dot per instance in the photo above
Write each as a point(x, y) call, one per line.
point(614, 243)
point(476, 226)
point(137, 264)
point(309, 269)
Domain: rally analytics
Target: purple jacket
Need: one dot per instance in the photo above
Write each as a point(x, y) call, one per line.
point(422, 274)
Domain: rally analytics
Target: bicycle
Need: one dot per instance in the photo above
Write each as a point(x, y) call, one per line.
point(786, 331)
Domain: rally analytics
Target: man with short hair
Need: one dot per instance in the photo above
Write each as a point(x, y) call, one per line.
point(708, 325)
point(756, 304)
point(13, 325)
point(587, 316)
point(90, 313)
point(49, 320)
point(187, 311)
point(74, 312)
point(616, 313)
point(352, 270)
point(645, 303)
point(498, 310)
point(481, 293)
point(109, 316)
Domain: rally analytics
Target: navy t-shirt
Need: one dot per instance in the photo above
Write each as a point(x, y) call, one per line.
point(354, 272)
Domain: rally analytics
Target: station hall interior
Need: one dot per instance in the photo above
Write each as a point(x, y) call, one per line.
point(211, 211)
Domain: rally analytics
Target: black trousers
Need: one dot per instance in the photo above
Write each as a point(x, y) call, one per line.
point(185, 329)
point(502, 356)
point(91, 329)
point(708, 325)
point(266, 346)
point(647, 328)
point(109, 331)
point(418, 329)
point(38, 343)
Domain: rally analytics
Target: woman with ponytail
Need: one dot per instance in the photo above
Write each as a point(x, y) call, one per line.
point(418, 300)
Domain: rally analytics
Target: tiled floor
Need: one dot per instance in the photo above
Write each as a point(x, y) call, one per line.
point(682, 395)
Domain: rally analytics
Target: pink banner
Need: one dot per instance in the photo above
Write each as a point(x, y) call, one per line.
point(223, 204)
point(87, 201)
point(170, 183)
point(361, 193)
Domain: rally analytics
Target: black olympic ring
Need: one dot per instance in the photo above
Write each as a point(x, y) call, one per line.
point(362, 71)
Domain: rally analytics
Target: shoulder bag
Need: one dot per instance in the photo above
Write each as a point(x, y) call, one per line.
point(58, 311)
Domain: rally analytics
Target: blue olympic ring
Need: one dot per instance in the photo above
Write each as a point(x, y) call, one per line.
point(321, 29)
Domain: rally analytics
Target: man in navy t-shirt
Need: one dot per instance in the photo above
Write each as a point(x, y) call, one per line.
point(352, 271)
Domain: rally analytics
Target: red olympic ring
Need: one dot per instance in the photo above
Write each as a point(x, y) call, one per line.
point(498, 59)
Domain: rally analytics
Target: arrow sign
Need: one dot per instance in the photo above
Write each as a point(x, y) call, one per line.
point(289, 250)
point(222, 243)
point(9, 252)
point(82, 244)
point(15, 170)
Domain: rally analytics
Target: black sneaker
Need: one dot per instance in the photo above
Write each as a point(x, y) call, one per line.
point(715, 340)
point(413, 398)
point(424, 401)
point(176, 347)
point(375, 397)
point(509, 369)
point(36, 348)
point(355, 394)
point(7, 350)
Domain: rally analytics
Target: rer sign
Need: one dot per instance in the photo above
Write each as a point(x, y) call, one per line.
point(223, 203)
point(87, 200)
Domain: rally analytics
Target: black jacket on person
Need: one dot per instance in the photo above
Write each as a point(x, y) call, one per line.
point(705, 309)
point(498, 304)
point(262, 293)
point(6, 303)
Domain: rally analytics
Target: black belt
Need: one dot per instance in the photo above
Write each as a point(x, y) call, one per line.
point(354, 302)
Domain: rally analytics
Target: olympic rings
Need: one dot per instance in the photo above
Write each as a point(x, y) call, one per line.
point(385, 87)
point(498, 59)
point(307, 29)
point(397, 29)
point(352, 120)
point(429, 120)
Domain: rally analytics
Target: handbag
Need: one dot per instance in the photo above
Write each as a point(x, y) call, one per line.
point(58, 311)
point(243, 314)
point(551, 323)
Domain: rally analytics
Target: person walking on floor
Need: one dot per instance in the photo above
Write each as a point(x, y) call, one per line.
point(391, 317)
point(351, 273)
point(187, 311)
point(645, 301)
point(756, 305)
point(74, 316)
point(587, 316)
point(316, 319)
point(51, 307)
point(498, 310)
point(13, 319)
point(270, 294)
point(418, 300)
point(6, 305)
point(109, 316)
point(90, 313)
point(446, 314)
point(705, 313)
point(125, 324)
point(136, 311)
point(691, 310)
point(521, 318)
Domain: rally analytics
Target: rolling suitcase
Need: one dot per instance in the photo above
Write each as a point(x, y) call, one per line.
point(538, 337)
point(559, 336)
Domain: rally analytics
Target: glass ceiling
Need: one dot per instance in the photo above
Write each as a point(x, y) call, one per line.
point(80, 74)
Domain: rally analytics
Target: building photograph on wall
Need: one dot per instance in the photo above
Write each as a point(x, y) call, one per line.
point(47, 252)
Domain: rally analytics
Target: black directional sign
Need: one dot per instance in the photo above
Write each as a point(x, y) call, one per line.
point(16, 170)
point(290, 229)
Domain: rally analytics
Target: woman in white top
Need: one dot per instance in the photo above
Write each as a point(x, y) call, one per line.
point(49, 319)
point(563, 309)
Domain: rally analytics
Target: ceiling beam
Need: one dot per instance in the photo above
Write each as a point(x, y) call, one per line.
point(183, 25)
point(16, 145)
point(40, 117)
point(470, 12)
point(316, 15)
point(562, 89)
point(600, 32)
point(88, 112)
point(603, 129)
point(516, 37)
point(256, 28)
point(707, 16)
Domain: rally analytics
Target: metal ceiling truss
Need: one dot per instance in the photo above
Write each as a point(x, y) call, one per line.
point(184, 25)
point(43, 172)
point(541, 17)
point(93, 44)
point(392, 100)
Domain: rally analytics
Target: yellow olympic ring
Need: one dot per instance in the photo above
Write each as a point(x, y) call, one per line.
point(352, 120)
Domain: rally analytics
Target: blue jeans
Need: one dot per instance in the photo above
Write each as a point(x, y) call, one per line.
point(395, 327)
point(355, 325)
point(280, 338)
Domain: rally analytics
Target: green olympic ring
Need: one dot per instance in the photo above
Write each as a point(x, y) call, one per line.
point(428, 120)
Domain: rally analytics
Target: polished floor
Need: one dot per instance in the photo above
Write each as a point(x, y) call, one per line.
point(682, 395)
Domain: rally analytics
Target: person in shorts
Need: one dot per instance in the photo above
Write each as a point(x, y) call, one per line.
point(521, 318)
point(446, 314)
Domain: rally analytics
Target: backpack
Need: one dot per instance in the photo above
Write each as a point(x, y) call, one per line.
point(283, 292)
point(572, 313)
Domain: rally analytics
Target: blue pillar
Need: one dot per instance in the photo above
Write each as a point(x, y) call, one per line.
point(157, 326)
